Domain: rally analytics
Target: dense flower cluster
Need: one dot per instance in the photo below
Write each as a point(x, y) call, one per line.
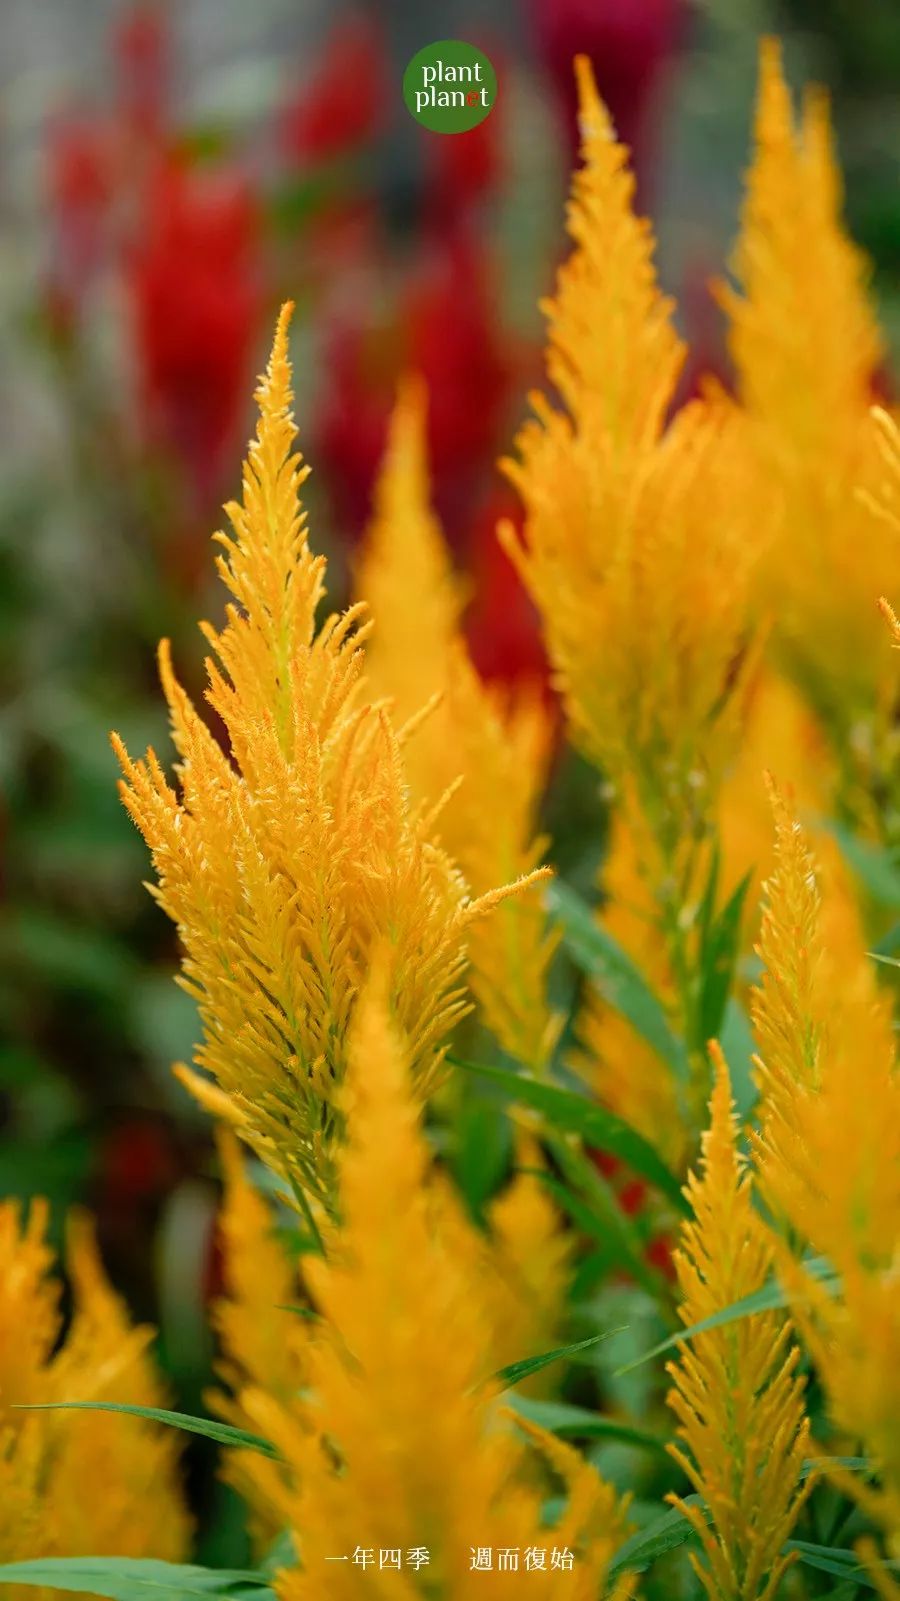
point(350, 844)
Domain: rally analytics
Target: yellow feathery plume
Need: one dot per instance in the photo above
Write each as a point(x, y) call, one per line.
point(639, 537)
point(828, 1151)
point(407, 580)
point(817, 1002)
point(52, 1462)
point(282, 865)
point(405, 1448)
point(779, 735)
point(806, 348)
point(622, 1069)
point(883, 497)
point(471, 748)
point(736, 1393)
point(263, 1342)
point(529, 1263)
point(104, 1359)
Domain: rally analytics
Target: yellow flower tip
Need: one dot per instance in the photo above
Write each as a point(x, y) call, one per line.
point(594, 120)
point(274, 393)
point(410, 413)
point(773, 106)
point(165, 668)
point(122, 756)
point(781, 799)
point(483, 904)
point(214, 1100)
point(508, 536)
point(721, 1076)
point(891, 618)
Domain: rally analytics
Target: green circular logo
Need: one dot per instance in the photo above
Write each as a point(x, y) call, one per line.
point(450, 86)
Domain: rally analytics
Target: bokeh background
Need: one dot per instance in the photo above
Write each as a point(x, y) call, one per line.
point(168, 174)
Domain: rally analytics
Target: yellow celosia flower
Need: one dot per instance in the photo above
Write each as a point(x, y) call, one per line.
point(817, 1003)
point(828, 1150)
point(86, 1483)
point(779, 735)
point(736, 1394)
point(282, 865)
point(487, 758)
point(263, 1342)
point(806, 348)
point(528, 1266)
point(624, 1071)
point(404, 1447)
point(639, 536)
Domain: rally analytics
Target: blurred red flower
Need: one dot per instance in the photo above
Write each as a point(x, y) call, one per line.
point(194, 281)
point(142, 48)
point(444, 325)
point(81, 172)
point(628, 44)
point(502, 624)
point(343, 104)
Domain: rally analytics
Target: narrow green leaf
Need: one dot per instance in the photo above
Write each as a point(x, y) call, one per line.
point(223, 1433)
point(136, 1579)
point(836, 1560)
point(579, 1115)
point(738, 1046)
point(579, 1423)
point(717, 956)
point(617, 978)
point(671, 1529)
point(886, 961)
point(889, 944)
point(666, 1533)
point(517, 1371)
point(770, 1298)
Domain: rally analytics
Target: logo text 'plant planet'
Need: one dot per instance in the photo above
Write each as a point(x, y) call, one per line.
point(449, 86)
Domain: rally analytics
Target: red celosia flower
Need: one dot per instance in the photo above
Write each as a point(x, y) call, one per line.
point(342, 105)
point(627, 43)
point(80, 182)
point(461, 171)
point(142, 49)
point(194, 282)
point(502, 624)
point(455, 341)
point(444, 326)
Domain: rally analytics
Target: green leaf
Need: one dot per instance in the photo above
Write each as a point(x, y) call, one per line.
point(876, 868)
point(738, 1047)
point(579, 1115)
point(617, 978)
point(282, 1553)
point(580, 1423)
point(888, 945)
point(517, 1371)
point(223, 1433)
point(136, 1579)
point(770, 1298)
point(718, 955)
point(836, 1560)
point(667, 1532)
point(886, 961)
point(664, 1534)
